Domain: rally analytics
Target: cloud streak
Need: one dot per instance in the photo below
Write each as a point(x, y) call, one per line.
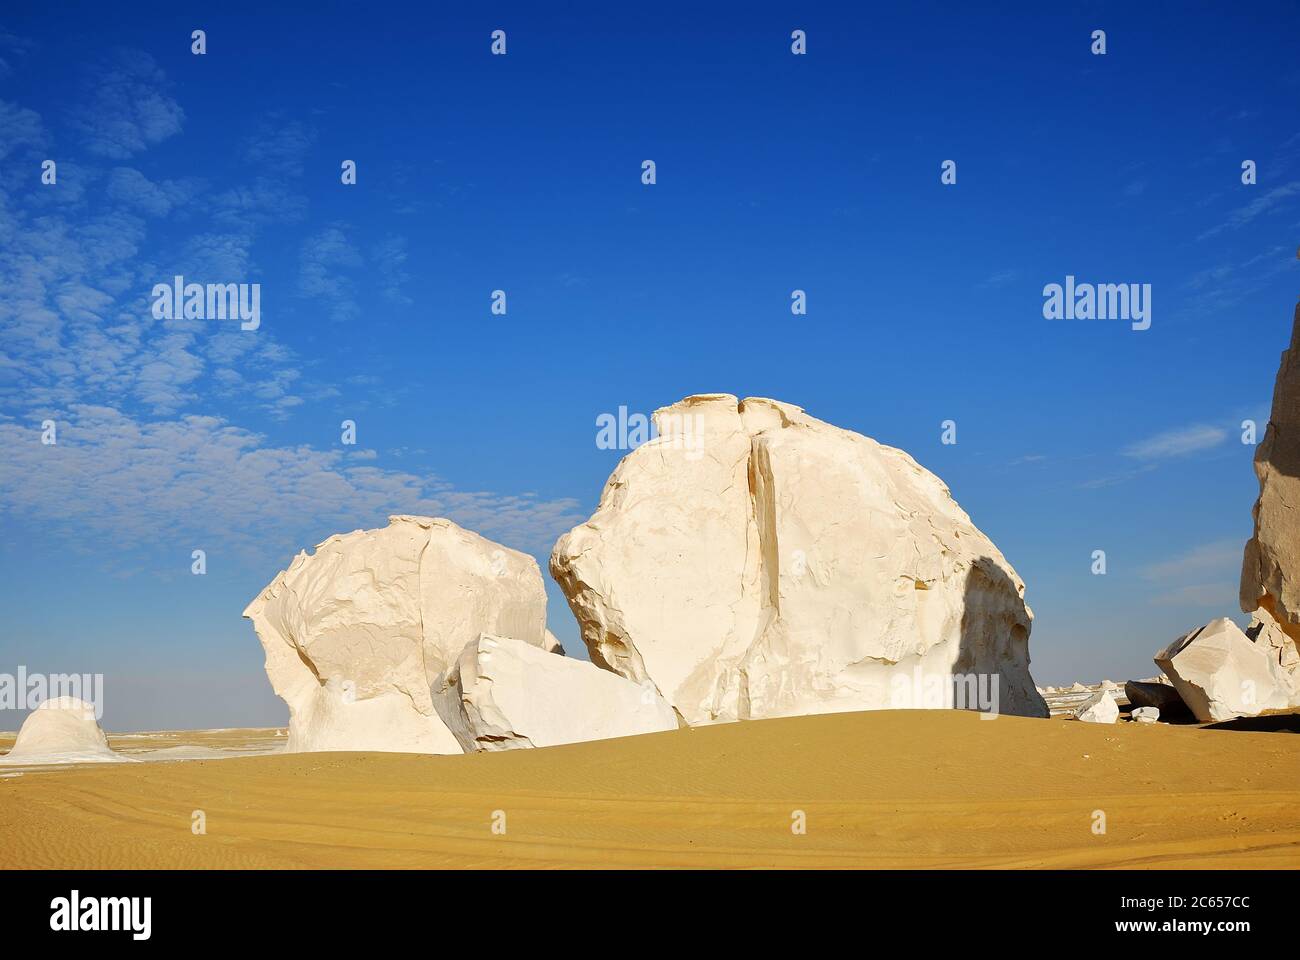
point(1177, 443)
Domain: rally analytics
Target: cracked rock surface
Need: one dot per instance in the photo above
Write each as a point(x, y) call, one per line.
point(752, 561)
point(357, 632)
point(1270, 577)
point(1221, 674)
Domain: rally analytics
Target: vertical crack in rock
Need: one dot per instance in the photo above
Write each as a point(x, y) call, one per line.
point(763, 498)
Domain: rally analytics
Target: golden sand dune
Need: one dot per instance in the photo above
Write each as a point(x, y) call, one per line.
point(882, 789)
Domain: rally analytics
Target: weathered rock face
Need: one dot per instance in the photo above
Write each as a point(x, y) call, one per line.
point(1270, 577)
point(502, 694)
point(61, 730)
point(357, 632)
point(1220, 674)
point(752, 561)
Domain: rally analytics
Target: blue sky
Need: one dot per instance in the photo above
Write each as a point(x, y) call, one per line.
point(476, 172)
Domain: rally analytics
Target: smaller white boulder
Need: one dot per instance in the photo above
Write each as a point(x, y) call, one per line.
point(1099, 708)
point(62, 730)
point(1146, 714)
point(1077, 687)
point(503, 694)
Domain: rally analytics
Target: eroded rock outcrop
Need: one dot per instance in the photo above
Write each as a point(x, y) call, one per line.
point(753, 561)
point(1220, 674)
point(61, 730)
point(1270, 577)
point(356, 633)
point(502, 694)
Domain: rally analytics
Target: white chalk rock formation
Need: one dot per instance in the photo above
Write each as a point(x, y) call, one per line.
point(1146, 714)
point(1270, 577)
point(1099, 708)
point(1221, 674)
point(357, 632)
point(61, 730)
point(502, 694)
point(752, 561)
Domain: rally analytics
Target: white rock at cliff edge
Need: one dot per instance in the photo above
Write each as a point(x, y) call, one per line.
point(357, 632)
point(752, 561)
point(1270, 576)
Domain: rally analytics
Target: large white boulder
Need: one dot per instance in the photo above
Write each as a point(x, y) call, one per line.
point(503, 694)
point(1220, 674)
point(61, 730)
point(1270, 575)
point(357, 632)
point(752, 561)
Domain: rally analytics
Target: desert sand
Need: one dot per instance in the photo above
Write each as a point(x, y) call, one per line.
point(925, 788)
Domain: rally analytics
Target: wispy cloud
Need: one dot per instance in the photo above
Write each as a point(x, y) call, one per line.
point(202, 481)
point(126, 106)
point(1213, 557)
point(997, 280)
point(390, 258)
point(1177, 443)
point(1202, 577)
point(1220, 597)
point(19, 128)
point(134, 190)
point(324, 258)
point(1269, 200)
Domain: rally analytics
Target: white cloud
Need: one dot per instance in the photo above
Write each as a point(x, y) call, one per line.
point(133, 189)
point(201, 481)
point(1177, 443)
point(1260, 205)
point(1217, 557)
point(1221, 596)
point(20, 127)
point(325, 255)
point(126, 107)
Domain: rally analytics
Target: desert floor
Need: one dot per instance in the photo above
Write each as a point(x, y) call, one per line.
point(883, 789)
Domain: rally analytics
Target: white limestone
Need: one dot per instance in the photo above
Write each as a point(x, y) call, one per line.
point(1221, 674)
point(356, 633)
point(502, 694)
point(61, 730)
point(1270, 576)
point(752, 561)
point(1099, 708)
